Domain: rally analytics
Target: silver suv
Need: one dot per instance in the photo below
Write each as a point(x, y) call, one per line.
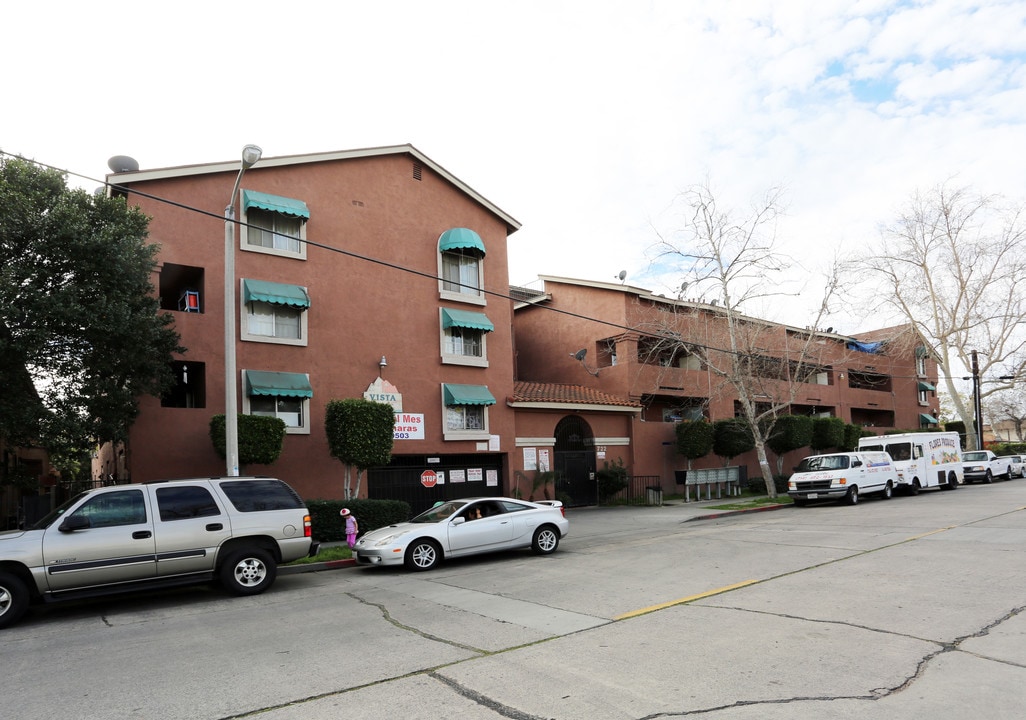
point(131, 537)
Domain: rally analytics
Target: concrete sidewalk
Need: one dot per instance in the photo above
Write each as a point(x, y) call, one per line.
point(597, 519)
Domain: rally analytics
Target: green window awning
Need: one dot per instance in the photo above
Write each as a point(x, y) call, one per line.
point(460, 239)
point(274, 293)
point(926, 386)
point(466, 319)
point(928, 419)
point(277, 384)
point(274, 203)
point(467, 395)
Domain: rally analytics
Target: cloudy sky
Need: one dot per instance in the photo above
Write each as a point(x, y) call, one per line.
point(583, 120)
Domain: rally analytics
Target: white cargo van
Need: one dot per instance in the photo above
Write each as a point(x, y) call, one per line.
point(923, 460)
point(842, 476)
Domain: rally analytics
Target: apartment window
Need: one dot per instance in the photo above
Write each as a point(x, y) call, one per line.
point(461, 272)
point(282, 395)
point(274, 312)
point(466, 411)
point(461, 253)
point(274, 224)
point(289, 410)
point(465, 417)
point(463, 337)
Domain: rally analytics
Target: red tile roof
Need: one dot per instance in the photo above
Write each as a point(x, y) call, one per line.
point(538, 392)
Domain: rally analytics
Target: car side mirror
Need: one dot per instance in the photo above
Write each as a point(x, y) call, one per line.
point(73, 523)
point(459, 520)
point(856, 463)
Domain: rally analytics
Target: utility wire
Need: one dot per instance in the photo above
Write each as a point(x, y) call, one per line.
point(386, 263)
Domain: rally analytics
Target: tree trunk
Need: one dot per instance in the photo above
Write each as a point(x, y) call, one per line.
point(765, 469)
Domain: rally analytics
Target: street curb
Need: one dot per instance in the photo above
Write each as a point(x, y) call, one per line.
point(343, 564)
point(315, 567)
point(728, 513)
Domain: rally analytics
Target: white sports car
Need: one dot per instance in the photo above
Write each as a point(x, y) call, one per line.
point(467, 526)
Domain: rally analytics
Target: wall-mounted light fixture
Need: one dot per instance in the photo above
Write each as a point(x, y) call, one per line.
point(579, 356)
point(382, 364)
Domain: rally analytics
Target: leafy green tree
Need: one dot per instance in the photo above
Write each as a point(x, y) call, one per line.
point(732, 437)
point(81, 335)
point(360, 434)
point(261, 438)
point(827, 434)
point(789, 432)
point(694, 439)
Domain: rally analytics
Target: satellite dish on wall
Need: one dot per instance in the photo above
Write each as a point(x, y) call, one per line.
point(580, 354)
point(622, 275)
point(123, 163)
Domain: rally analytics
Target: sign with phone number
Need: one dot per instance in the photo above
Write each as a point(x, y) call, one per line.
point(409, 426)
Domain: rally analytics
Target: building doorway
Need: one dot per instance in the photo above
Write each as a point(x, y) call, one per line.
point(574, 462)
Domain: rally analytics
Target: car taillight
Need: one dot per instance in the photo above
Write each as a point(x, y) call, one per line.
point(562, 510)
point(307, 527)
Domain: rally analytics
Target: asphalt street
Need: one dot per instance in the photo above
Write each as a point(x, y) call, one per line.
point(905, 608)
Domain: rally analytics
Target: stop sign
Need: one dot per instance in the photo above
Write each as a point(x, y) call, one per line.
point(428, 478)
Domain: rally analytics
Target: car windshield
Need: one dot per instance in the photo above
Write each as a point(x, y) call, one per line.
point(439, 512)
point(45, 521)
point(975, 456)
point(823, 462)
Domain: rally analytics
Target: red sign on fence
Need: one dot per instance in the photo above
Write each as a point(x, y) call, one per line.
point(428, 478)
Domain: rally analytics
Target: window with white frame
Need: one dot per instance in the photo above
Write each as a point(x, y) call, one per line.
point(273, 321)
point(465, 342)
point(461, 272)
point(274, 312)
point(466, 411)
point(460, 259)
point(288, 409)
point(281, 395)
point(463, 337)
point(274, 231)
point(274, 224)
point(465, 417)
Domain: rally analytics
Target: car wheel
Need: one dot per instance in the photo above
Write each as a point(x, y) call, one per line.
point(546, 540)
point(423, 555)
point(988, 478)
point(952, 483)
point(914, 488)
point(852, 498)
point(249, 571)
point(888, 491)
point(14, 599)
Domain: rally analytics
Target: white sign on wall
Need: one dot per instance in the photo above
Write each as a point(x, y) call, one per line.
point(409, 426)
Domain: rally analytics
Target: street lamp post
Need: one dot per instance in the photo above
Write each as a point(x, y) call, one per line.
point(250, 156)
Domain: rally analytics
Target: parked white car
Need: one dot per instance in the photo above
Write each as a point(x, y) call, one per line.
point(465, 527)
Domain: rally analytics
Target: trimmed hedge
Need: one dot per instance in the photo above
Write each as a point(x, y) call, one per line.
point(328, 525)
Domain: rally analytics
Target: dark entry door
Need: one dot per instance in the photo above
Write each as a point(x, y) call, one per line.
point(575, 462)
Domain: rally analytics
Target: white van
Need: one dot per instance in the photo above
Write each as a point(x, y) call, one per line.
point(843, 476)
point(922, 459)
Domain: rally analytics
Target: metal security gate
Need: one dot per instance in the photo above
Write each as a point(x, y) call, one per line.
point(476, 475)
point(574, 462)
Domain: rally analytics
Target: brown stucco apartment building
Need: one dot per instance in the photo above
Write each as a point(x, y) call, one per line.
point(337, 260)
point(880, 380)
point(377, 273)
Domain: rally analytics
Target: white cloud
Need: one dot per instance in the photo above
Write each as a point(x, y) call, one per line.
point(584, 120)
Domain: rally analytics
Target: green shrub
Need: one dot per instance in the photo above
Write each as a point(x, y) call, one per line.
point(329, 526)
point(612, 478)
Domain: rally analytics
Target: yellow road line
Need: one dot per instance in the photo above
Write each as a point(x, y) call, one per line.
point(681, 601)
point(932, 532)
